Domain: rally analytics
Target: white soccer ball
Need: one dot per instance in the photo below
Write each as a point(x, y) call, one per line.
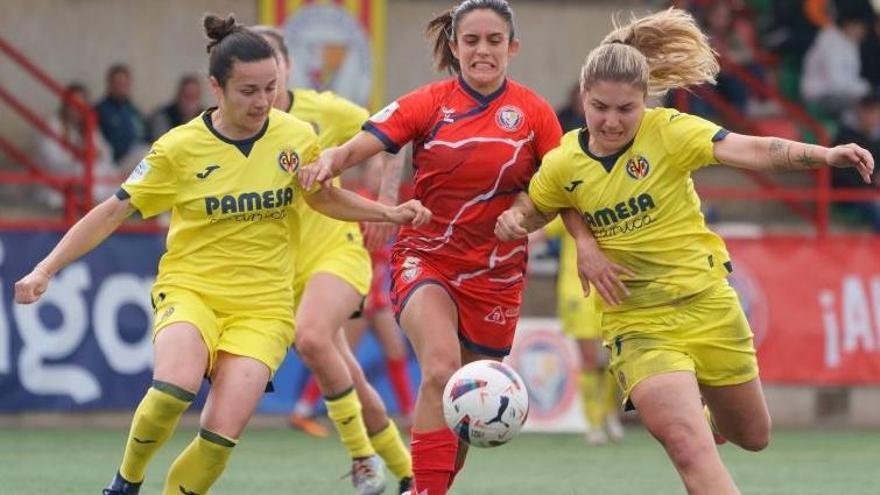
point(485, 403)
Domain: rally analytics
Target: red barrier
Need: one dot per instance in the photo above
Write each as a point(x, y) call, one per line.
point(814, 307)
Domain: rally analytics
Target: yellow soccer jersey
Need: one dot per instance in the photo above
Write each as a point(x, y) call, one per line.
point(568, 284)
point(641, 204)
point(335, 120)
point(232, 204)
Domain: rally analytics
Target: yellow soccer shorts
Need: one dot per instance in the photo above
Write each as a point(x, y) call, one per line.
point(348, 261)
point(264, 339)
point(579, 315)
point(708, 335)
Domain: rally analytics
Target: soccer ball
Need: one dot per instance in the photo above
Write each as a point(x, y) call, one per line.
point(485, 403)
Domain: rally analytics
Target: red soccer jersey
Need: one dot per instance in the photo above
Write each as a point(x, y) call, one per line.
point(472, 154)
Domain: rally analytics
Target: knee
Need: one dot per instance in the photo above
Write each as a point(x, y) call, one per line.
point(312, 342)
point(437, 371)
point(682, 444)
point(756, 438)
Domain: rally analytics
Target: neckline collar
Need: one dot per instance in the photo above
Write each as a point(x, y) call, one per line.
point(244, 145)
point(483, 99)
point(606, 161)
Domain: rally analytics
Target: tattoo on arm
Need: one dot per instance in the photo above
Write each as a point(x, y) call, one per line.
point(391, 173)
point(781, 158)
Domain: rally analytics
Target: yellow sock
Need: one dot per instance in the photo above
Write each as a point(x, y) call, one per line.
point(392, 450)
point(345, 412)
point(199, 465)
point(589, 381)
point(611, 399)
point(154, 421)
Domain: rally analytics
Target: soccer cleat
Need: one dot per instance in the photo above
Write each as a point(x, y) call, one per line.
point(614, 428)
point(121, 486)
point(596, 436)
point(308, 426)
point(405, 485)
point(368, 475)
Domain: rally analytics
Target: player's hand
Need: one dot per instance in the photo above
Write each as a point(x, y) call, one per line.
point(412, 212)
point(377, 234)
point(595, 268)
point(852, 156)
point(318, 172)
point(509, 227)
point(31, 287)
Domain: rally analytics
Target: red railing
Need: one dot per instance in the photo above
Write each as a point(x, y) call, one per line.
point(796, 198)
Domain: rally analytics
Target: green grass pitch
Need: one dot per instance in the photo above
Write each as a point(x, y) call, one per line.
point(270, 461)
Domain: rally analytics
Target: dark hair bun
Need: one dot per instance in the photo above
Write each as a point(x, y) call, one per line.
point(218, 28)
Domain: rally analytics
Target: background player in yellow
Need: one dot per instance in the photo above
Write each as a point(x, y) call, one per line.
point(678, 332)
point(333, 274)
point(581, 320)
point(223, 298)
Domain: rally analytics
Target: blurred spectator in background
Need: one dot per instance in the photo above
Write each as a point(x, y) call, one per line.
point(121, 123)
point(571, 116)
point(69, 123)
point(831, 77)
point(870, 55)
point(187, 104)
point(866, 133)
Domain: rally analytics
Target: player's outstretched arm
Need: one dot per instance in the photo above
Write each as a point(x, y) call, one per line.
point(769, 153)
point(334, 161)
point(348, 206)
point(90, 231)
point(520, 219)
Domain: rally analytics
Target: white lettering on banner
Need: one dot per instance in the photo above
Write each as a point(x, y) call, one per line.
point(5, 352)
point(851, 330)
point(41, 343)
point(114, 293)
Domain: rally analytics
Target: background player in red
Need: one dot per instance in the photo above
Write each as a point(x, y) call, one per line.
point(478, 138)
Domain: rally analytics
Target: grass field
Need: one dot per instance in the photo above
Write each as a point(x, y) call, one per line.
point(270, 461)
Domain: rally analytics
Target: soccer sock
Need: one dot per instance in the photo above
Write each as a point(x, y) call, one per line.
point(609, 391)
point(345, 412)
point(154, 421)
point(400, 382)
point(199, 465)
point(460, 457)
point(311, 393)
point(433, 455)
point(589, 381)
point(392, 450)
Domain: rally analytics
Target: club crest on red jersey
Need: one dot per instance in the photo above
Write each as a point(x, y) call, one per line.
point(288, 160)
point(509, 118)
point(637, 167)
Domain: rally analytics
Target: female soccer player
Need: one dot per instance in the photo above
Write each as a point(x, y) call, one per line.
point(477, 139)
point(223, 298)
point(679, 331)
point(333, 273)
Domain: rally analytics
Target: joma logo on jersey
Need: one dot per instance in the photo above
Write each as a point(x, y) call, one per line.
point(637, 167)
point(249, 201)
point(288, 160)
point(621, 211)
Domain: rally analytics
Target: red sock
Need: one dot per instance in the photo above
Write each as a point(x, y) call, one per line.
point(460, 456)
point(433, 455)
point(311, 393)
point(400, 382)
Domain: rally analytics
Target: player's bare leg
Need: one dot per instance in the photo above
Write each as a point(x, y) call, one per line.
point(181, 358)
point(318, 323)
point(669, 406)
point(740, 413)
point(388, 333)
point(430, 320)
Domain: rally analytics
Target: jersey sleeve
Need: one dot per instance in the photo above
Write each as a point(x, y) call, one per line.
point(403, 120)
point(152, 186)
point(546, 187)
point(548, 132)
point(346, 116)
point(691, 139)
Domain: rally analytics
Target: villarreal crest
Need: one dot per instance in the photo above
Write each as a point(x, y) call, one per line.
point(637, 167)
point(288, 160)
